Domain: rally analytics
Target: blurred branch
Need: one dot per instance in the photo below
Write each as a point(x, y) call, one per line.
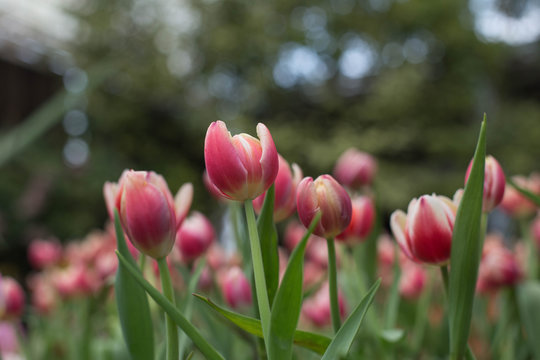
point(49, 114)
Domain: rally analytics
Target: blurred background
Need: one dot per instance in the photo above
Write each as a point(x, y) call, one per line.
point(89, 88)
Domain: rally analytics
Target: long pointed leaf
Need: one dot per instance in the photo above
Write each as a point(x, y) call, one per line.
point(288, 301)
point(132, 303)
point(269, 244)
point(171, 310)
point(466, 251)
point(344, 338)
point(315, 342)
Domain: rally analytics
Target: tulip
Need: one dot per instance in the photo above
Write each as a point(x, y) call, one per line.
point(494, 183)
point(44, 297)
point(212, 189)
point(147, 213)
point(424, 234)
point(362, 219)
point(327, 196)
point(11, 299)
point(412, 280)
point(499, 267)
point(355, 168)
point(517, 205)
point(241, 167)
point(44, 253)
point(316, 309)
point(75, 281)
point(235, 287)
point(195, 236)
point(285, 191)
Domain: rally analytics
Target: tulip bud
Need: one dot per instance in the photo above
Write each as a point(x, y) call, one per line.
point(355, 168)
point(316, 309)
point(235, 287)
point(514, 203)
point(494, 183)
point(412, 280)
point(327, 196)
point(424, 234)
point(498, 266)
point(11, 299)
point(212, 189)
point(74, 281)
point(44, 297)
point(146, 209)
point(241, 166)
point(285, 191)
point(195, 236)
point(44, 253)
point(363, 216)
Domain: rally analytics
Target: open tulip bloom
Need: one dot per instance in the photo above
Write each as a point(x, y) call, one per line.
point(298, 290)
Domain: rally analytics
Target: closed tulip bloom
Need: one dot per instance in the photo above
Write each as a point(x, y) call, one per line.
point(355, 168)
point(499, 266)
point(412, 280)
point(362, 219)
point(494, 183)
point(146, 209)
point(516, 204)
point(327, 196)
point(424, 234)
point(235, 287)
point(44, 253)
point(11, 299)
point(316, 309)
point(285, 191)
point(241, 167)
point(195, 236)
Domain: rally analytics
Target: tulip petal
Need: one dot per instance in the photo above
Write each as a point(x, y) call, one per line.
point(269, 159)
point(307, 204)
point(224, 167)
point(398, 223)
point(182, 202)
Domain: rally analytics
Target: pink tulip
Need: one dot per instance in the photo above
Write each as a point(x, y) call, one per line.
point(316, 309)
point(316, 249)
point(424, 234)
point(235, 287)
point(44, 253)
point(494, 183)
point(285, 191)
point(499, 267)
point(412, 281)
point(11, 299)
point(75, 281)
point(147, 213)
point(355, 168)
point(241, 166)
point(195, 236)
point(514, 203)
point(362, 219)
point(44, 297)
point(327, 196)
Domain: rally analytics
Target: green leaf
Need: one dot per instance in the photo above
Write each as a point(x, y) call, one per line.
point(288, 302)
point(467, 242)
point(392, 336)
point(528, 295)
point(132, 303)
point(315, 342)
point(528, 194)
point(171, 310)
point(269, 244)
point(344, 338)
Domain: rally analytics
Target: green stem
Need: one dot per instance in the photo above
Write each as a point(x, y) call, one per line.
point(258, 270)
point(532, 261)
point(421, 319)
point(142, 262)
point(332, 282)
point(171, 330)
point(393, 298)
